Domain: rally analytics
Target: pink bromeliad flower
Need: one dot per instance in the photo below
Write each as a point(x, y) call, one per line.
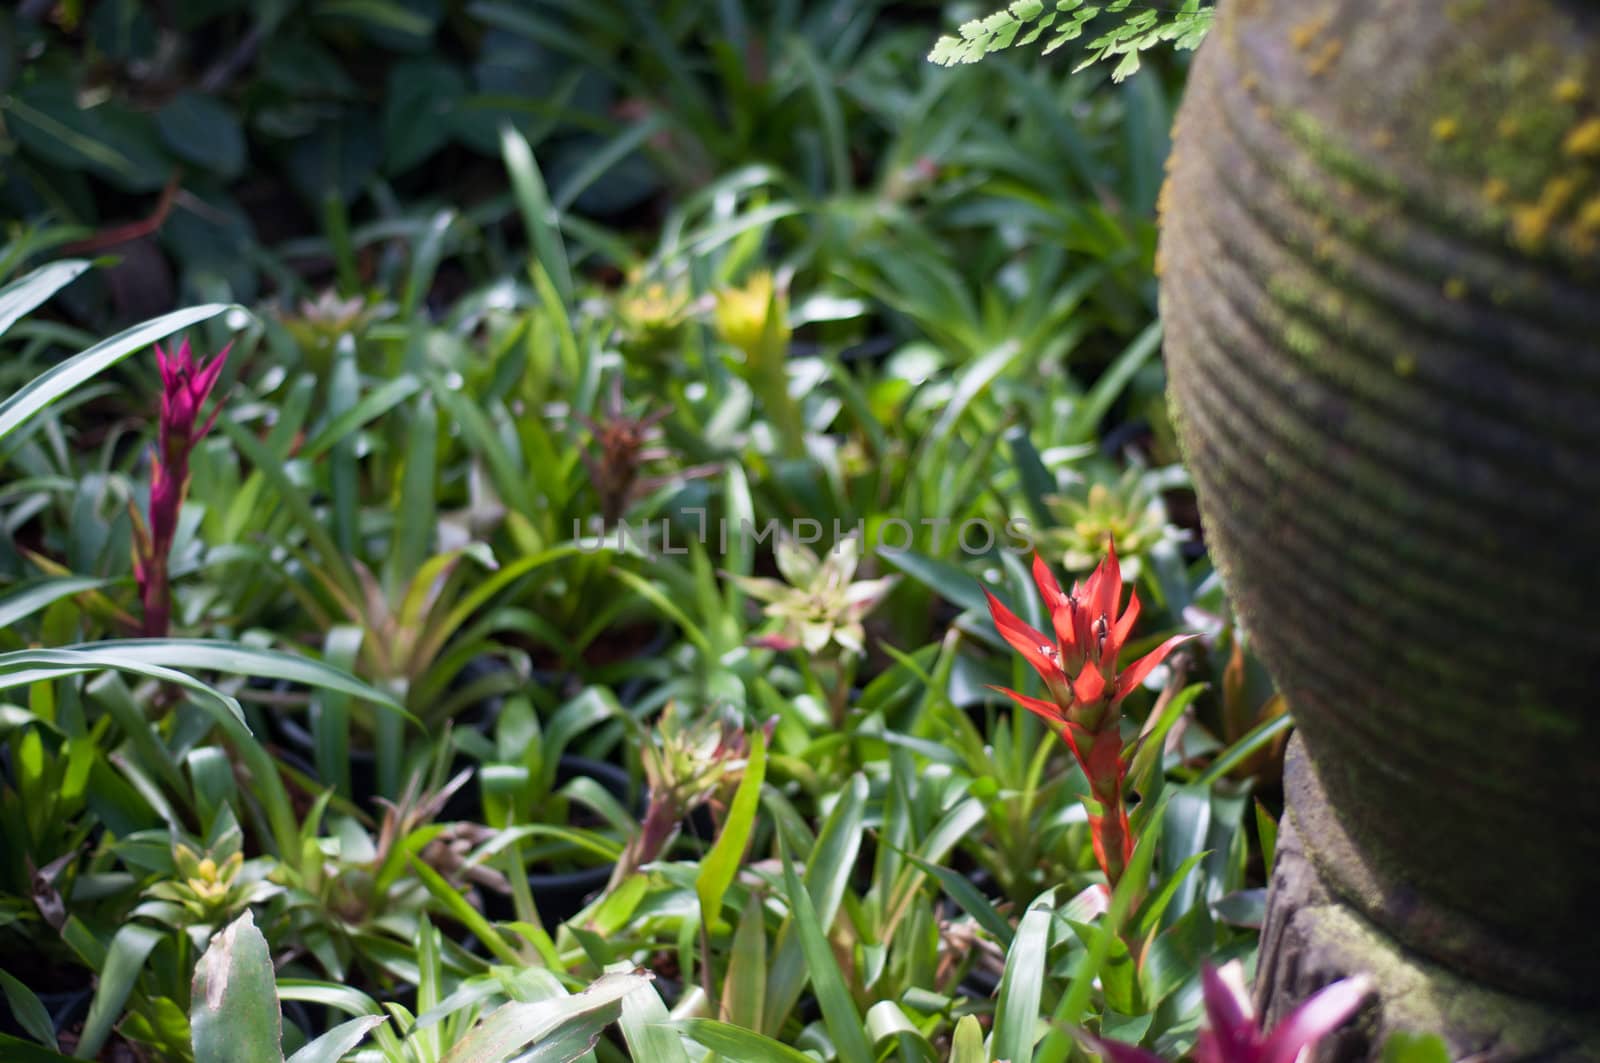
point(1232, 1035)
point(185, 386)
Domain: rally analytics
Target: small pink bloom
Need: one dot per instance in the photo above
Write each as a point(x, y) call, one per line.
point(1231, 1034)
point(186, 384)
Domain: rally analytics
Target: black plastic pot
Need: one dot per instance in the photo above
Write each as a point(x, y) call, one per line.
point(297, 744)
point(631, 690)
point(979, 984)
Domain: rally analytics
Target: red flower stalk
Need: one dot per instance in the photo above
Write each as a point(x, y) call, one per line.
point(185, 386)
point(1232, 1035)
point(1079, 669)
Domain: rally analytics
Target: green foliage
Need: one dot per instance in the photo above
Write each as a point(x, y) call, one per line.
point(575, 305)
point(1143, 27)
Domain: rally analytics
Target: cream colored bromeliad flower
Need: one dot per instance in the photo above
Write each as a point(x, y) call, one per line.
point(818, 601)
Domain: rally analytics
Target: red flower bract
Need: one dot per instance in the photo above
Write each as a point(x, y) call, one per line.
point(1079, 665)
point(1080, 671)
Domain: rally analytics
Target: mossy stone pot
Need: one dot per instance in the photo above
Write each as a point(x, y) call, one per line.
point(1380, 279)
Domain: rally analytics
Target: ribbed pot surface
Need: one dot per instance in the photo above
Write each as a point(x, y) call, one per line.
point(1381, 286)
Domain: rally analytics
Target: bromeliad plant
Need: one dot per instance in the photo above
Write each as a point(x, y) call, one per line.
point(754, 320)
point(620, 446)
point(688, 763)
point(186, 384)
point(235, 1013)
point(1127, 509)
point(818, 607)
point(1087, 686)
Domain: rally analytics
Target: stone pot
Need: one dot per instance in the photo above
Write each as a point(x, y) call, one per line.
point(1380, 262)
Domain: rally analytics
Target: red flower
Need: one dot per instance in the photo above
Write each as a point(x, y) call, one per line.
point(185, 386)
point(1079, 669)
point(1079, 665)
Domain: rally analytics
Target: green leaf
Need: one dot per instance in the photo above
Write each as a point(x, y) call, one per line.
point(232, 658)
point(1058, 1044)
point(419, 110)
point(233, 1012)
point(342, 998)
point(341, 576)
point(1022, 986)
point(123, 961)
point(1185, 829)
point(337, 1042)
point(967, 1044)
point(1267, 831)
point(739, 1044)
point(643, 1023)
point(1034, 478)
point(203, 131)
point(330, 727)
point(460, 909)
point(414, 535)
point(512, 1027)
point(1146, 763)
point(108, 138)
point(538, 216)
point(385, 15)
point(744, 990)
point(430, 248)
point(27, 1010)
point(1256, 738)
point(1156, 906)
point(24, 667)
point(889, 1025)
point(656, 597)
point(828, 871)
point(29, 598)
point(62, 377)
point(1118, 985)
point(1405, 1047)
point(839, 1012)
point(35, 288)
point(969, 897)
point(721, 865)
point(1084, 422)
point(373, 405)
point(951, 582)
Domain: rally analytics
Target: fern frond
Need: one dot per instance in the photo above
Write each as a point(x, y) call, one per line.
point(1026, 21)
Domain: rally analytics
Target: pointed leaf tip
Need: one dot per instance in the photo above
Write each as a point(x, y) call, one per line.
point(1315, 1018)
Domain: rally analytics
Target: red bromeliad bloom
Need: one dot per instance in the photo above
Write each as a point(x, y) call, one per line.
point(185, 386)
point(1232, 1034)
point(1079, 668)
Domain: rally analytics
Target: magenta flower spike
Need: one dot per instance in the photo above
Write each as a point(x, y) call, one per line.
point(1232, 1035)
point(186, 384)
